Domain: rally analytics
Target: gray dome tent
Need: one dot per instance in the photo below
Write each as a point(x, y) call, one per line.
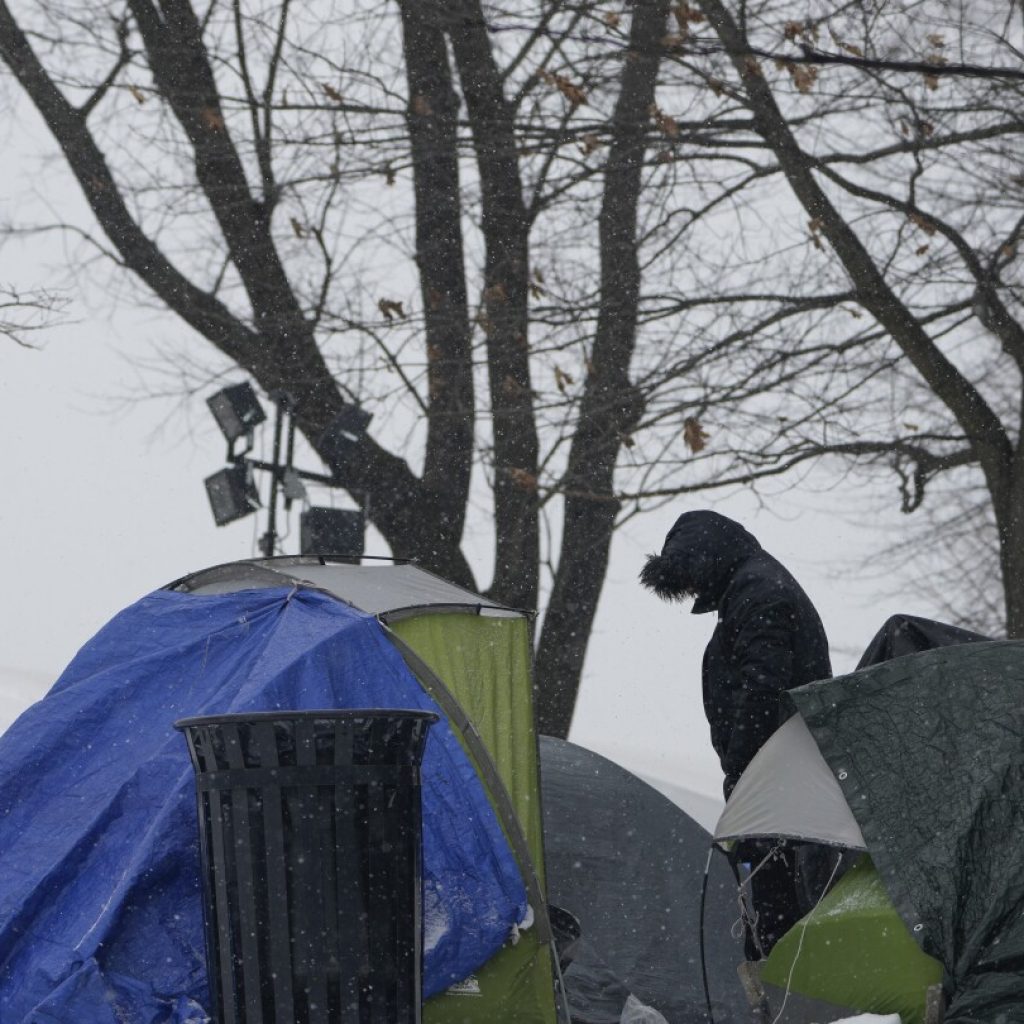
point(628, 863)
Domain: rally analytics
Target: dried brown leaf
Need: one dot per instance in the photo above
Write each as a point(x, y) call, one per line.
point(572, 92)
point(510, 387)
point(850, 48)
point(686, 15)
point(137, 94)
point(804, 76)
point(695, 437)
point(331, 93)
point(523, 478)
point(924, 223)
point(211, 118)
point(666, 124)
point(391, 310)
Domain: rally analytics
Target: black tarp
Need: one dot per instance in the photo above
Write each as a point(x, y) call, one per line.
point(629, 864)
point(910, 634)
point(929, 752)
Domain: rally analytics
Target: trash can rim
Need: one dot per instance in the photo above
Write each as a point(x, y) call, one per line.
point(305, 715)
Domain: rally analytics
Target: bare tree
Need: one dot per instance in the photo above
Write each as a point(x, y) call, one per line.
point(24, 314)
point(578, 260)
point(879, 186)
point(260, 169)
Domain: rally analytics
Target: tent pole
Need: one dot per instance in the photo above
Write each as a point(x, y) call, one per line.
point(700, 933)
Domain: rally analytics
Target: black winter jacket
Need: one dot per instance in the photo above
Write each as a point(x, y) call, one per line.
point(769, 637)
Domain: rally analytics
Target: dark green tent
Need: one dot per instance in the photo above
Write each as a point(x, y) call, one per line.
point(927, 751)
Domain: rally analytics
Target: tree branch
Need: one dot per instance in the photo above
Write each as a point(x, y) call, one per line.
point(611, 405)
point(198, 308)
point(811, 55)
point(123, 59)
point(976, 418)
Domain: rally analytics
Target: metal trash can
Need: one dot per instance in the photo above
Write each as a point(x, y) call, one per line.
point(310, 839)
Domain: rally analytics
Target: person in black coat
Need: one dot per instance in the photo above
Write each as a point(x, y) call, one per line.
point(768, 639)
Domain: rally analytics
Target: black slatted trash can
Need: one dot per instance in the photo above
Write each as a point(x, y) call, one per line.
point(310, 838)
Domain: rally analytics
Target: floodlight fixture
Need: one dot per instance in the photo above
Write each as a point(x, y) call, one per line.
point(331, 531)
point(342, 439)
point(237, 411)
point(232, 493)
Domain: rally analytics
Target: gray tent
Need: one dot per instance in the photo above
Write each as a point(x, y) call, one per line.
point(629, 865)
point(920, 761)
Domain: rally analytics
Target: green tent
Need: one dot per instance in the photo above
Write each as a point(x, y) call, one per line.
point(920, 762)
point(473, 658)
point(854, 951)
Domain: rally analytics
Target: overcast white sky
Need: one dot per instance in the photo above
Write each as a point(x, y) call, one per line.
point(103, 502)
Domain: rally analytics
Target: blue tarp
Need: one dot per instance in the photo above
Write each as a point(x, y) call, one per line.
point(100, 895)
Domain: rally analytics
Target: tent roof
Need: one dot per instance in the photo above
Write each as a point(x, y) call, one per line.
point(788, 790)
point(386, 589)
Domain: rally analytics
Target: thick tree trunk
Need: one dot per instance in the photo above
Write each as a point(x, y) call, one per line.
point(432, 117)
point(505, 313)
point(1010, 523)
point(610, 405)
point(279, 350)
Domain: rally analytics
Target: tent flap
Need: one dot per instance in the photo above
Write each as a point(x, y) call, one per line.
point(789, 791)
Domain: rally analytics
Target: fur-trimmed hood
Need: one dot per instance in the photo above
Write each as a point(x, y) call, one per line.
point(698, 558)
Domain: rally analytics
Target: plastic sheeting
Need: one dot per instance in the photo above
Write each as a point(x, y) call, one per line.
point(909, 634)
point(929, 752)
point(100, 905)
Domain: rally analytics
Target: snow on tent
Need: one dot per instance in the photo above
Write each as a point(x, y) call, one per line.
point(100, 906)
point(918, 762)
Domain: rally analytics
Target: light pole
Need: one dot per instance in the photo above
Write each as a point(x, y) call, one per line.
point(233, 493)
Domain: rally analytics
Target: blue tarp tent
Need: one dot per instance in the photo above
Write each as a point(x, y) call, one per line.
point(100, 905)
